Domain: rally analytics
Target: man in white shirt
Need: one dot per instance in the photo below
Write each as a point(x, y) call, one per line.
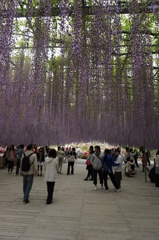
point(118, 169)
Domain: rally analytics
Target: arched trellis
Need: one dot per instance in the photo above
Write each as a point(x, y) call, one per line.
point(98, 89)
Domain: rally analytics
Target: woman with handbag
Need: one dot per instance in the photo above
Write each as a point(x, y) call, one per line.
point(89, 165)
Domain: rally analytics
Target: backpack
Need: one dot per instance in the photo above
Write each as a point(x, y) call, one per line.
point(26, 163)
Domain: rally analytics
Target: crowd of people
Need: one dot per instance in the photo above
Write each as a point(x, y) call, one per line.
point(40, 159)
point(99, 163)
point(106, 164)
point(13, 155)
point(109, 163)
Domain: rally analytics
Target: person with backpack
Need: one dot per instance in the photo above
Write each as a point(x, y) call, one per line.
point(28, 168)
point(107, 163)
point(96, 161)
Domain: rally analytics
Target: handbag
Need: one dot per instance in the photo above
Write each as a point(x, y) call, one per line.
point(88, 163)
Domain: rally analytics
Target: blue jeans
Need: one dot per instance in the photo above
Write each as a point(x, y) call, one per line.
point(27, 184)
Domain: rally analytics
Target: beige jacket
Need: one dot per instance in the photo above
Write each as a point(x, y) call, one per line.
point(33, 161)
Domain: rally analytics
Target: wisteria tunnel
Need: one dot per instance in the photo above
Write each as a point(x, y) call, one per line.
point(79, 70)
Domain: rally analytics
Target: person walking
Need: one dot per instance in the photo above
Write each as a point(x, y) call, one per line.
point(50, 176)
point(96, 161)
point(28, 176)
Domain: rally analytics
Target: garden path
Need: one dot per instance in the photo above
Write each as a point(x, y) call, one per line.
point(78, 212)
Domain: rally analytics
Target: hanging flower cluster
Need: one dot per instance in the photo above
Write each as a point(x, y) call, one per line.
point(98, 88)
